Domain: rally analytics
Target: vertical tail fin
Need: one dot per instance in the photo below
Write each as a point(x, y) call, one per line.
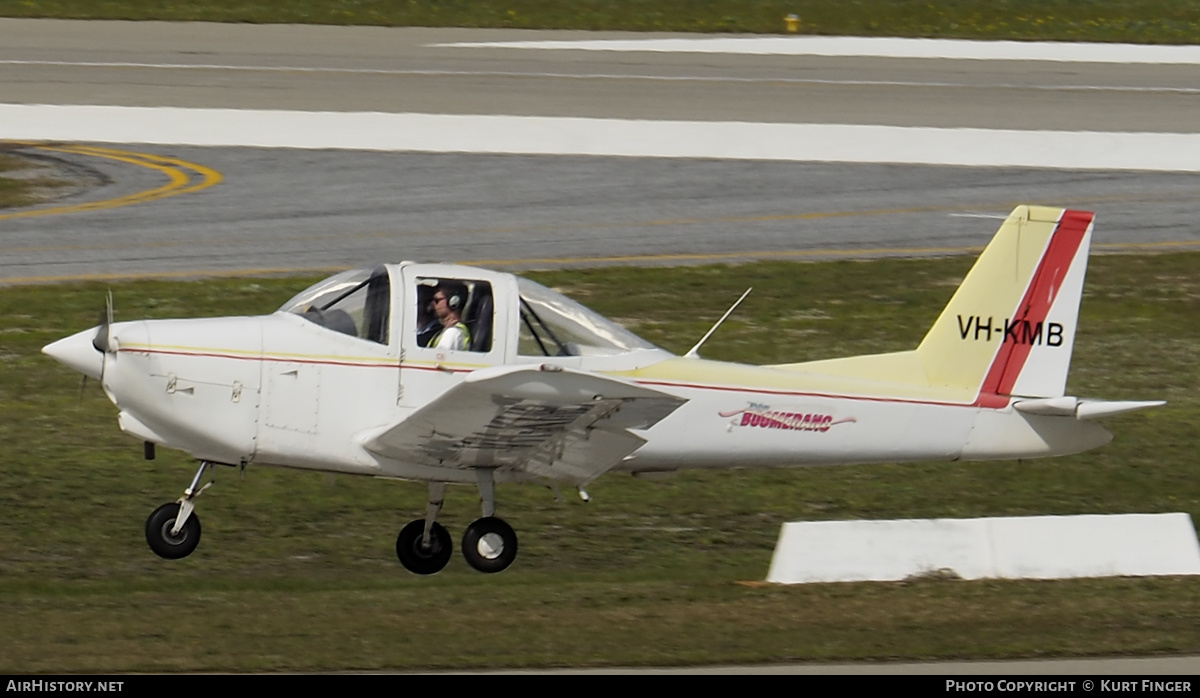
point(1010, 328)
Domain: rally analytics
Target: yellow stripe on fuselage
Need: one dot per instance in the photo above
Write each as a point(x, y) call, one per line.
point(341, 359)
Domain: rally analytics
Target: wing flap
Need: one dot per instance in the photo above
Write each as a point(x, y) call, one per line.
point(546, 421)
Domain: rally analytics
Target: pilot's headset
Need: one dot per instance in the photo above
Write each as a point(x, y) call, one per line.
point(455, 296)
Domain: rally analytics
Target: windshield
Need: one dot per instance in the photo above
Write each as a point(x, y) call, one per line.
point(355, 302)
point(554, 325)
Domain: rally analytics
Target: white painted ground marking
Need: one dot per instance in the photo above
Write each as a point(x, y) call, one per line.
point(604, 76)
point(876, 47)
point(447, 133)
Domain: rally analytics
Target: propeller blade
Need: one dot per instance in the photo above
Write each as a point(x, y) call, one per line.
point(101, 340)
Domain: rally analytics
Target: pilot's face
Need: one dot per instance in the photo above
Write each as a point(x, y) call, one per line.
point(440, 307)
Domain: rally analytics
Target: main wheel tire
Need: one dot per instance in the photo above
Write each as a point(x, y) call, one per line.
point(163, 542)
point(490, 545)
point(418, 558)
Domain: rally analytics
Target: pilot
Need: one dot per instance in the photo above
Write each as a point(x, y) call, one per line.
point(428, 326)
point(448, 301)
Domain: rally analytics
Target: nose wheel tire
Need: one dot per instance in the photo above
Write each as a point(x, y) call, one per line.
point(419, 558)
point(490, 545)
point(172, 546)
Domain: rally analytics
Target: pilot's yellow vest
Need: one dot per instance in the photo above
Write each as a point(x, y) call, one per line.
point(466, 333)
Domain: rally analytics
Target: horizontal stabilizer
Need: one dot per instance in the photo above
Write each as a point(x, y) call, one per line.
point(1082, 409)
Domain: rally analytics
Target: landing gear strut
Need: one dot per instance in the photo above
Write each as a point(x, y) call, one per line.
point(424, 545)
point(173, 530)
point(490, 544)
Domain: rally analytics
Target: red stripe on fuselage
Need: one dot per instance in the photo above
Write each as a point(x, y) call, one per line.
point(659, 383)
point(1035, 306)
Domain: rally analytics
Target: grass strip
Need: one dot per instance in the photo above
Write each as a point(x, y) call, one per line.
point(1135, 21)
point(296, 571)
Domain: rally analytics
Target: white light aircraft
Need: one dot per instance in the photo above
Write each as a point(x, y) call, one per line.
point(342, 379)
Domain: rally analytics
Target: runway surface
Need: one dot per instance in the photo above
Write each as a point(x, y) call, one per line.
point(183, 211)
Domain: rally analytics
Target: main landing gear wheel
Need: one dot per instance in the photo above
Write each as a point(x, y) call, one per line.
point(419, 558)
point(490, 545)
point(172, 546)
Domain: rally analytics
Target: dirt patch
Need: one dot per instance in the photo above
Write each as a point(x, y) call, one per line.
point(32, 177)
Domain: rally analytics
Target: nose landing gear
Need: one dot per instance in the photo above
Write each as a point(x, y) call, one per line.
point(173, 530)
point(167, 537)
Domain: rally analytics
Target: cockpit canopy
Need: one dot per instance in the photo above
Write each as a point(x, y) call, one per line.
point(554, 325)
point(361, 303)
point(355, 302)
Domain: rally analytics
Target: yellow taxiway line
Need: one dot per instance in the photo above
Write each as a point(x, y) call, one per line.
point(182, 177)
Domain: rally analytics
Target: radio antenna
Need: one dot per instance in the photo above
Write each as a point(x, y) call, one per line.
point(694, 352)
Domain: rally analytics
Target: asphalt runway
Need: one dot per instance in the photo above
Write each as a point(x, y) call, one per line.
point(176, 211)
point(286, 210)
point(243, 66)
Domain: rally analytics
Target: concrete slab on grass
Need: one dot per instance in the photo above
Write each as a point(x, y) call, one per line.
point(1033, 547)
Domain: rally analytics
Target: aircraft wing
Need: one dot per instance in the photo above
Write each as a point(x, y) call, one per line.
point(546, 421)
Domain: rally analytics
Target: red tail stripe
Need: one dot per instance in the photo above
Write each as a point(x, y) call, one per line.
point(1035, 305)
